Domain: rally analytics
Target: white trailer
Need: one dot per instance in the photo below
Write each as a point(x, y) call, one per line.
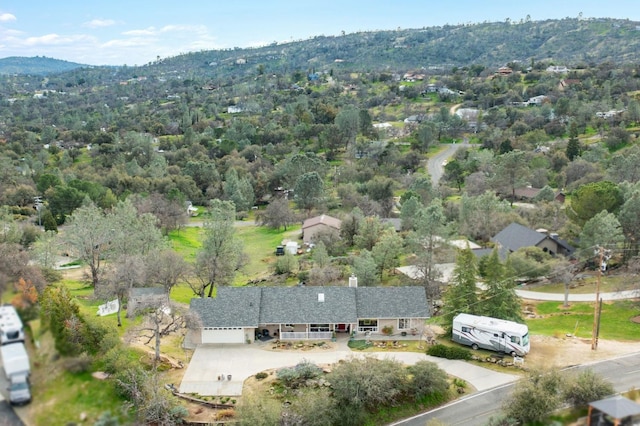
point(491, 333)
point(15, 360)
point(11, 328)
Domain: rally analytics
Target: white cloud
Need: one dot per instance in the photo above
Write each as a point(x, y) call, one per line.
point(99, 23)
point(55, 39)
point(131, 42)
point(145, 32)
point(7, 17)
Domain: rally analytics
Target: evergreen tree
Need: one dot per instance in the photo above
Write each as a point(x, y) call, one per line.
point(461, 295)
point(499, 300)
point(573, 148)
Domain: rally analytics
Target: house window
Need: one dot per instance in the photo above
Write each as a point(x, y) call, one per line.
point(404, 323)
point(318, 327)
point(368, 325)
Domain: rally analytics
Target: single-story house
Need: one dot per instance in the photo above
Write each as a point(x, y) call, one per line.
point(529, 193)
point(313, 226)
point(614, 411)
point(516, 236)
point(242, 314)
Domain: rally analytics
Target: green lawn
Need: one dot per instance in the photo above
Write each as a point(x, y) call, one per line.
point(615, 321)
point(259, 245)
point(71, 394)
point(186, 241)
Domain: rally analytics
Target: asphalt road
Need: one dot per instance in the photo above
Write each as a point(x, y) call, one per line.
point(435, 164)
point(477, 409)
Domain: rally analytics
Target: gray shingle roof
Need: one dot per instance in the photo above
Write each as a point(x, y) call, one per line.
point(617, 407)
point(516, 236)
point(251, 306)
point(392, 302)
point(300, 305)
point(233, 307)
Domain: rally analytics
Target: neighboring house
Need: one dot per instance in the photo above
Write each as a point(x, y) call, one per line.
point(191, 210)
point(516, 236)
point(242, 314)
point(315, 225)
point(470, 115)
point(559, 69)
point(141, 296)
point(537, 100)
point(528, 193)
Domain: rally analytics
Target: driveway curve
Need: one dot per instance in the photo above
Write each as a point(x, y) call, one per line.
point(210, 362)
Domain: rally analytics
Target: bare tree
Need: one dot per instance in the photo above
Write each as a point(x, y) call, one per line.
point(221, 254)
point(171, 214)
point(564, 272)
point(127, 272)
point(87, 236)
point(277, 215)
point(166, 268)
point(160, 319)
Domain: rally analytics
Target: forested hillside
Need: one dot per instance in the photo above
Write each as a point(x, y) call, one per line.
point(104, 165)
point(37, 65)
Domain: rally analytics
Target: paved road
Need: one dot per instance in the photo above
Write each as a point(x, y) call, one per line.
point(619, 295)
point(435, 165)
point(477, 409)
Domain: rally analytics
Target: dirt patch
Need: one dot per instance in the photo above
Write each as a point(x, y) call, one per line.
point(547, 351)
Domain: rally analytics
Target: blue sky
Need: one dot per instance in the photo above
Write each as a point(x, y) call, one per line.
point(134, 32)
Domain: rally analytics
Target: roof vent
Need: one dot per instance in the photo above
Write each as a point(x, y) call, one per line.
point(353, 281)
point(320, 297)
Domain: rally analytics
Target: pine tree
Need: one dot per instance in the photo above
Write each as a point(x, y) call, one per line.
point(461, 295)
point(499, 300)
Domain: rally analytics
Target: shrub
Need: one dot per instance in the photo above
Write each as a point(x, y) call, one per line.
point(226, 414)
point(427, 379)
point(261, 375)
point(449, 352)
point(296, 376)
point(79, 364)
point(587, 386)
point(387, 330)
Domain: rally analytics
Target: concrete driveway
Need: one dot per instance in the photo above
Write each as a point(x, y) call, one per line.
point(209, 362)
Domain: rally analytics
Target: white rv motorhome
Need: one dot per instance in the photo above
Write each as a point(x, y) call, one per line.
point(11, 329)
point(491, 333)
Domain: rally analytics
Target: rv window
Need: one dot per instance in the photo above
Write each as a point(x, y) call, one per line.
point(495, 334)
point(515, 339)
point(465, 329)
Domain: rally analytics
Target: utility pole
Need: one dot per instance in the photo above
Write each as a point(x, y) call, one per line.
point(596, 312)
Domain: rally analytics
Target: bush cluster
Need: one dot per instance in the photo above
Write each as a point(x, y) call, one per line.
point(449, 352)
point(296, 376)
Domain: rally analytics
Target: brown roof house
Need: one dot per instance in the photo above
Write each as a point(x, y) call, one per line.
point(313, 226)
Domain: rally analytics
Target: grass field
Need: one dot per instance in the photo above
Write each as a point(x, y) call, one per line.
point(259, 246)
point(615, 323)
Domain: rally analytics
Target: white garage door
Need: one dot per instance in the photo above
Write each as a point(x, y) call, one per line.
point(222, 335)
